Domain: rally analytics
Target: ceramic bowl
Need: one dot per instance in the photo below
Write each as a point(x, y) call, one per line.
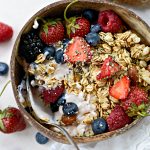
point(56, 10)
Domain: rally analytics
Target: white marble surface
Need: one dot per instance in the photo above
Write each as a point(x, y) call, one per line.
point(16, 13)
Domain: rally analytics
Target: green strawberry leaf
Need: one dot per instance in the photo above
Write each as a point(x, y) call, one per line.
point(45, 28)
point(2, 115)
point(138, 111)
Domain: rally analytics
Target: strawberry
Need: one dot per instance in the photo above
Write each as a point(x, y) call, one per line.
point(77, 51)
point(120, 89)
point(76, 26)
point(52, 95)
point(108, 69)
point(117, 118)
point(52, 31)
point(11, 120)
point(136, 96)
point(6, 32)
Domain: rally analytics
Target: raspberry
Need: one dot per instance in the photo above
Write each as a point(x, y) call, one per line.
point(117, 118)
point(109, 21)
point(52, 95)
point(136, 96)
point(6, 32)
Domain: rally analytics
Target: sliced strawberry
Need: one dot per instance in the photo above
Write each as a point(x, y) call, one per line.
point(121, 89)
point(77, 51)
point(108, 69)
point(52, 95)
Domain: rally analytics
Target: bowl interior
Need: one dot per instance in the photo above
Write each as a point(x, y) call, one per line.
point(54, 11)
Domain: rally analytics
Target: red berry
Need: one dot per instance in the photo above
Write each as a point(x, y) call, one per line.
point(77, 50)
point(109, 21)
point(11, 120)
point(120, 89)
point(52, 32)
point(117, 118)
point(136, 96)
point(6, 32)
point(52, 95)
point(108, 69)
point(82, 28)
point(76, 26)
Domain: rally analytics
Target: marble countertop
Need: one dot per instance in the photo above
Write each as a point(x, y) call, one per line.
point(16, 13)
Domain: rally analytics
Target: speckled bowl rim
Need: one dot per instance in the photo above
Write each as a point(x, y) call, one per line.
point(48, 132)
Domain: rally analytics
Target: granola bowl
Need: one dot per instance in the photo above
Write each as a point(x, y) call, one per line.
point(126, 49)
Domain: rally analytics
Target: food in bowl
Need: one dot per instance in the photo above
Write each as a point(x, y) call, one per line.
point(91, 71)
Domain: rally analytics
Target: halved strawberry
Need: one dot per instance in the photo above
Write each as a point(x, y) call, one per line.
point(77, 51)
point(121, 89)
point(108, 69)
point(52, 95)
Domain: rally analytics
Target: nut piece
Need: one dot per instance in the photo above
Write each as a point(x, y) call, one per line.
point(133, 73)
point(146, 50)
point(148, 68)
point(143, 64)
point(68, 120)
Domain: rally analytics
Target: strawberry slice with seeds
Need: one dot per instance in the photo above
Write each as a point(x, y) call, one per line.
point(77, 51)
point(52, 95)
point(121, 89)
point(108, 69)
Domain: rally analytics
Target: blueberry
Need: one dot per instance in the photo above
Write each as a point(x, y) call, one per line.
point(54, 107)
point(61, 101)
point(59, 58)
point(3, 68)
point(49, 51)
point(92, 38)
point(90, 15)
point(65, 43)
point(95, 28)
point(41, 139)
point(99, 126)
point(70, 109)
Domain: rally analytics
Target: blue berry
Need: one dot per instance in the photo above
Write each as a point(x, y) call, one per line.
point(61, 101)
point(92, 38)
point(99, 126)
point(3, 68)
point(59, 58)
point(65, 43)
point(54, 107)
point(90, 15)
point(70, 109)
point(41, 139)
point(49, 52)
point(95, 28)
